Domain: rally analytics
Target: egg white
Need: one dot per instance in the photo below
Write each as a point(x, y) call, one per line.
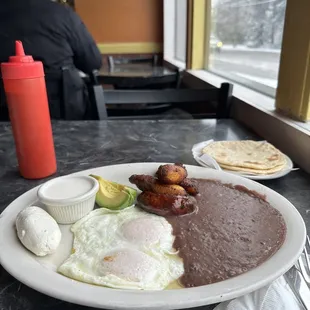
point(126, 249)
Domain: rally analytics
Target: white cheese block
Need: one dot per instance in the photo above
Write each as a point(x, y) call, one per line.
point(38, 231)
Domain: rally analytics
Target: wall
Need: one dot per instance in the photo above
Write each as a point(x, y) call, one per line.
point(124, 26)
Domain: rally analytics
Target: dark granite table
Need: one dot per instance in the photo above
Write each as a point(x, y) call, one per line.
point(83, 145)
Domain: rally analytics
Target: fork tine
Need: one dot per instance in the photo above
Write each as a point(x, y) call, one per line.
point(306, 253)
point(303, 270)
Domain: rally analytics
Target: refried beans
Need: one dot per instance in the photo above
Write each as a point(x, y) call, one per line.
point(234, 230)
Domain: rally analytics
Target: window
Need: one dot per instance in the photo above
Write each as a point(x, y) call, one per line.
point(245, 42)
point(180, 29)
point(175, 31)
point(261, 44)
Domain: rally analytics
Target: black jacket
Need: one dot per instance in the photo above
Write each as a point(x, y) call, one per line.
point(55, 35)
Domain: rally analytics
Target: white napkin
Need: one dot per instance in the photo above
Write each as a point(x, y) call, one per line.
point(276, 296)
point(204, 159)
point(197, 148)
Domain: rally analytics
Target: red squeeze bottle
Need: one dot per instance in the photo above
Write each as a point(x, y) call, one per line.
point(25, 90)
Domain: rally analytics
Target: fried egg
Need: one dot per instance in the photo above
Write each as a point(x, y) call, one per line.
point(126, 249)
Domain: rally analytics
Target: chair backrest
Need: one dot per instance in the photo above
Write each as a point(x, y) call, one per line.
point(98, 109)
point(221, 96)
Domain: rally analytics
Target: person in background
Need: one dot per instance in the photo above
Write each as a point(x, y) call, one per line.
point(54, 34)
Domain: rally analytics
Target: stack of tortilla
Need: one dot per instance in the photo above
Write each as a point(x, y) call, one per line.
point(247, 156)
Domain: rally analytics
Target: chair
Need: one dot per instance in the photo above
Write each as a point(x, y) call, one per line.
point(95, 92)
point(149, 104)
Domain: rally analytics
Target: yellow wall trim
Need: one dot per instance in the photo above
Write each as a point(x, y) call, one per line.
point(130, 48)
point(196, 33)
point(293, 93)
point(198, 45)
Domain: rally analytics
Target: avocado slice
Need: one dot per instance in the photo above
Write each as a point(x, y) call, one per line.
point(133, 194)
point(112, 195)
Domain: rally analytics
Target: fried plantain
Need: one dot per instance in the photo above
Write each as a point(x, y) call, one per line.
point(151, 184)
point(142, 181)
point(171, 174)
point(166, 205)
point(190, 187)
point(168, 189)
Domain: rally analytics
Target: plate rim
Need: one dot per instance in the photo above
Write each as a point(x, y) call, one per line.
point(122, 299)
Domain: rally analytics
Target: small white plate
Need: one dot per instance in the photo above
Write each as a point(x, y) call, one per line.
point(197, 152)
point(40, 273)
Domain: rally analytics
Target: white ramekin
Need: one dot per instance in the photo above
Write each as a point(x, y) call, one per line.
point(68, 199)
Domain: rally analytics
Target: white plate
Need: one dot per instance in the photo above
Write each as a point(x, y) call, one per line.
point(197, 151)
point(40, 274)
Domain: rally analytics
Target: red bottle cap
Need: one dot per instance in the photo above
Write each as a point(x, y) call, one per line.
point(21, 66)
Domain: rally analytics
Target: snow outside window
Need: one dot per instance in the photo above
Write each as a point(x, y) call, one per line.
point(245, 42)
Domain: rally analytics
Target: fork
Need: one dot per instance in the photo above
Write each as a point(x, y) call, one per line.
point(298, 287)
point(304, 267)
